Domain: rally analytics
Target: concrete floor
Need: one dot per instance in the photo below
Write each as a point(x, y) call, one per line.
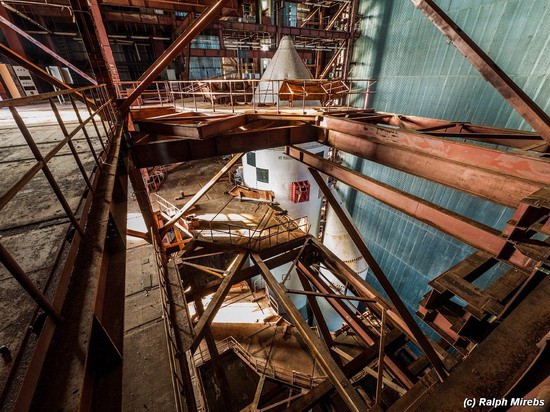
point(266, 337)
point(33, 225)
point(146, 371)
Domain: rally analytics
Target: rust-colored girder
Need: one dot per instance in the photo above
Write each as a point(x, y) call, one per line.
point(217, 300)
point(318, 349)
point(91, 27)
point(38, 71)
point(200, 194)
point(496, 175)
point(202, 127)
point(305, 402)
point(517, 98)
point(354, 322)
point(473, 233)
point(57, 57)
point(489, 134)
point(169, 151)
point(381, 277)
point(170, 54)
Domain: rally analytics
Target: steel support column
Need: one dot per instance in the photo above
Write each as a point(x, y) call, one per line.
point(94, 36)
point(13, 40)
point(517, 98)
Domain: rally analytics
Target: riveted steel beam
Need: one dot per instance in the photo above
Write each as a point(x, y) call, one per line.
point(517, 98)
point(170, 54)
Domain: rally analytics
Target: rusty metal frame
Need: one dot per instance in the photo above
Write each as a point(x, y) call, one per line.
point(381, 277)
point(200, 193)
point(38, 71)
point(496, 175)
point(22, 391)
point(319, 350)
point(479, 236)
point(175, 48)
point(217, 300)
point(355, 323)
point(517, 98)
point(167, 151)
point(6, 23)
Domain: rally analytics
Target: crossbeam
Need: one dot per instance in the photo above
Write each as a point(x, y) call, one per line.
point(57, 57)
point(200, 194)
point(503, 177)
point(475, 234)
point(517, 98)
point(319, 350)
point(217, 301)
point(171, 52)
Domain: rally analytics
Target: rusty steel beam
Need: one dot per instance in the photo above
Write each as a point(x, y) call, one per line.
point(318, 349)
point(219, 371)
point(191, 202)
point(496, 175)
point(57, 57)
point(202, 128)
point(305, 402)
point(196, 6)
point(355, 323)
point(91, 27)
point(217, 301)
point(156, 153)
point(170, 54)
point(381, 277)
point(12, 38)
point(38, 71)
point(495, 135)
point(73, 365)
point(316, 310)
point(517, 98)
point(466, 230)
point(329, 295)
point(34, 292)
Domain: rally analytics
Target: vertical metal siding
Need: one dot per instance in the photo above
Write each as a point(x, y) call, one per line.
point(420, 73)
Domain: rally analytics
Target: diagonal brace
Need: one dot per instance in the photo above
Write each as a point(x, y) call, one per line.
point(381, 277)
point(217, 300)
point(318, 348)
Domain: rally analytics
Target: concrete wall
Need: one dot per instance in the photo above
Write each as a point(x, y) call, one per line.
point(420, 73)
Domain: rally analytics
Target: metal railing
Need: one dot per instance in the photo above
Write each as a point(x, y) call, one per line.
point(100, 110)
point(94, 123)
point(254, 239)
point(164, 206)
point(230, 94)
point(174, 351)
point(261, 366)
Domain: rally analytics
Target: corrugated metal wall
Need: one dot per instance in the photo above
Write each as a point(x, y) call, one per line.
point(420, 73)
